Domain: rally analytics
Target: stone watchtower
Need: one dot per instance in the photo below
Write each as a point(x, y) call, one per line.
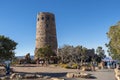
point(46, 31)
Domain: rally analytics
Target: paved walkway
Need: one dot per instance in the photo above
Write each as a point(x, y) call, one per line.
point(100, 75)
point(103, 74)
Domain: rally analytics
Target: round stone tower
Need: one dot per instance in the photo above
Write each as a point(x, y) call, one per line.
point(45, 31)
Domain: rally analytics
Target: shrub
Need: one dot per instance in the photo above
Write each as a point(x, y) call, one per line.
point(33, 62)
point(65, 66)
point(74, 66)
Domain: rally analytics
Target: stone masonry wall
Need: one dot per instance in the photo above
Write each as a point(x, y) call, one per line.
point(46, 31)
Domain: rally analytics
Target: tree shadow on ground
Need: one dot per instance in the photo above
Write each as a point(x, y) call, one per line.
point(91, 77)
point(63, 74)
point(59, 75)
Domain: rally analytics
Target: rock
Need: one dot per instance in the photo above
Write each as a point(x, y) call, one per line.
point(85, 75)
point(27, 76)
point(117, 71)
point(16, 76)
point(77, 75)
point(57, 79)
point(86, 69)
point(82, 75)
point(19, 77)
point(39, 76)
point(46, 77)
point(5, 78)
point(70, 75)
point(117, 77)
point(117, 74)
point(96, 68)
point(13, 76)
point(22, 74)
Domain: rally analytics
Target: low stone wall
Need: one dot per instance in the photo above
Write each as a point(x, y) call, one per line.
point(75, 75)
point(117, 74)
point(21, 76)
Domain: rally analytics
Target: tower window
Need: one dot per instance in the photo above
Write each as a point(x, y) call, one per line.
point(42, 18)
point(47, 18)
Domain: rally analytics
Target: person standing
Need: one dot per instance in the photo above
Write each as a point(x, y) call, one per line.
point(108, 64)
point(7, 67)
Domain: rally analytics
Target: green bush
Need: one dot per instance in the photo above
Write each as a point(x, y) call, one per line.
point(74, 66)
point(33, 62)
point(65, 66)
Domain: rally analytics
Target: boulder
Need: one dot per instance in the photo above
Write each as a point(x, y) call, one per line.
point(117, 77)
point(82, 75)
point(16, 76)
point(77, 75)
point(70, 75)
point(46, 77)
point(57, 79)
point(39, 76)
point(13, 75)
point(5, 78)
point(85, 75)
point(28, 76)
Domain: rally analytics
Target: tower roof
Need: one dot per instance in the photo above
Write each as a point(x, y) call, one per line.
point(45, 13)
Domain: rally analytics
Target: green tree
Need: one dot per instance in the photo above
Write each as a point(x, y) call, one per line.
point(72, 54)
point(66, 53)
point(114, 43)
point(7, 47)
point(45, 53)
point(84, 55)
point(96, 58)
point(78, 52)
point(100, 52)
point(27, 58)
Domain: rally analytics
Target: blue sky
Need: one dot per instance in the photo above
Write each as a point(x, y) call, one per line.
point(78, 22)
